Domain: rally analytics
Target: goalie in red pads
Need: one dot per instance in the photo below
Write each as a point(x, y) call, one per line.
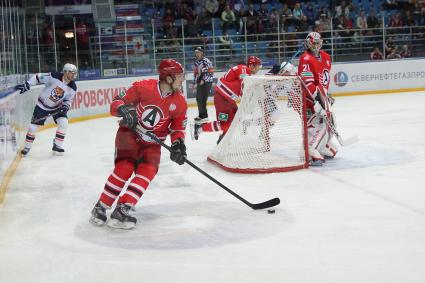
point(227, 92)
point(314, 69)
point(159, 107)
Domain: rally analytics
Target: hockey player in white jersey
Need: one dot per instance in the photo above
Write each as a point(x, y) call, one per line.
point(55, 100)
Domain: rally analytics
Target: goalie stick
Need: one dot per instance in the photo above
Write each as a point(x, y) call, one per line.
point(262, 205)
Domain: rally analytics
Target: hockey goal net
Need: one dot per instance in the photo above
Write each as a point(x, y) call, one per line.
point(268, 133)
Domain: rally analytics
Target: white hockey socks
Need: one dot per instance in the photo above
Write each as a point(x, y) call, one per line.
point(30, 137)
point(61, 131)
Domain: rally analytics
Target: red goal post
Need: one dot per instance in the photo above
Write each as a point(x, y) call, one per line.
point(269, 131)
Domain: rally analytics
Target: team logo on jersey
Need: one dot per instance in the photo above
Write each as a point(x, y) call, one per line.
point(341, 79)
point(326, 78)
point(151, 116)
point(172, 107)
point(121, 94)
point(223, 117)
point(56, 94)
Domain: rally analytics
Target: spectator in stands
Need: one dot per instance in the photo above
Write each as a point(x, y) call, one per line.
point(286, 19)
point(274, 19)
point(361, 22)
point(389, 45)
point(376, 54)
point(342, 10)
point(238, 6)
point(263, 18)
point(393, 54)
point(372, 20)
point(303, 26)
point(251, 21)
point(205, 20)
point(310, 13)
point(396, 22)
point(405, 52)
point(168, 20)
point(297, 13)
point(211, 6)
point(228, 18)
point(221, 6)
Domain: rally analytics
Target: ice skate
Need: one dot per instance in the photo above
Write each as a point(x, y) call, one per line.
point(98, 213)
point(195, 130)
point(121, 219)
point(316, 159)
point(56, 150)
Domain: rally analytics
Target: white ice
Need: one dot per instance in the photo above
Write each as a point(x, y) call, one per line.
point(360, 218)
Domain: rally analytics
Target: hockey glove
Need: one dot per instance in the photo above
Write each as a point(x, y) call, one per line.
point(63, 110)
point(178, 151)
point(23, 87)
point(129, 116)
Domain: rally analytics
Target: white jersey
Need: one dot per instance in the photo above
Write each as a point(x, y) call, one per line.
point(56, 93)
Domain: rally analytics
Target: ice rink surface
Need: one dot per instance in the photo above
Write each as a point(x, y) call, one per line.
point(360, 218)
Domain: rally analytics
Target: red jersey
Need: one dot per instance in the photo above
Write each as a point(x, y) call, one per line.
point(315, 72)
point(230, 85)
point(161, 114)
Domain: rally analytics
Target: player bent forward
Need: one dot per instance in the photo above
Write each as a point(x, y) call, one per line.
point(54, 100)
point(227, 91)
point(159, 107)
point(314, 69)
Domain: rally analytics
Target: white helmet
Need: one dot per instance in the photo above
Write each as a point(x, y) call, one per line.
point(287, 68)
point(68, 67)
point(314, 42)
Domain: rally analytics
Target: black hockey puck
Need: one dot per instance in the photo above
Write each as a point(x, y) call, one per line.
point(270, 211)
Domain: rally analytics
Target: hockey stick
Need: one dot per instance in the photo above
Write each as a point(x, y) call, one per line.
point(270, 203)
point(293, 57)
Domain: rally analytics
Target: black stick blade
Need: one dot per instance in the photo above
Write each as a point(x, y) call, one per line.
point(266, 204)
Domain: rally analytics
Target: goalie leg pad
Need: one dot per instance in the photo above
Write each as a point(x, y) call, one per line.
point(329, 150)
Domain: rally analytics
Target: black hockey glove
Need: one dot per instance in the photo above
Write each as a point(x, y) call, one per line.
point(23, 87)
point(129, 116)
point(178, 151)
point(63, 110)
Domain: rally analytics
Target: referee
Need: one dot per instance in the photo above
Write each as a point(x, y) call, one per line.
point(203, 78)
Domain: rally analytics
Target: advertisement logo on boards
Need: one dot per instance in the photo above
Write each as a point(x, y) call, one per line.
point(341, 79)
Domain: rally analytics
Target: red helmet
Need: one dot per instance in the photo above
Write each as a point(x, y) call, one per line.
point(253, 60)
point(314, 42)
point(169, 67)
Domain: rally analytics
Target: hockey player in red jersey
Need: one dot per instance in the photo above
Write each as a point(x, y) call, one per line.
point(227, 92)
point(314, 69)
point(159, 107)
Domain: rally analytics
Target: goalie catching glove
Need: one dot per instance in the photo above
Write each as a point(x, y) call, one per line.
point(129, 116)
point(178, 151)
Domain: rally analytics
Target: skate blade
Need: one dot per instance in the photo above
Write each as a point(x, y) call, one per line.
point(96, 221)
point(115, 224)
point(55, 153)
point(316, 163)
point(192, 132)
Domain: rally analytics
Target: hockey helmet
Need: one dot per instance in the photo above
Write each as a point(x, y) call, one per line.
point(314, 42)
point(68, 67)
point(253, 60)
point(287, 67)
point(199, 49)
point(169, 67)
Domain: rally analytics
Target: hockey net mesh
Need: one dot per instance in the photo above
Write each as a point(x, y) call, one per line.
point(268, 133)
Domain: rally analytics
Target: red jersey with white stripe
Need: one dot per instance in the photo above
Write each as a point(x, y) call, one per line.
point(315, 72)
point(230, 85)
point(159, 113)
